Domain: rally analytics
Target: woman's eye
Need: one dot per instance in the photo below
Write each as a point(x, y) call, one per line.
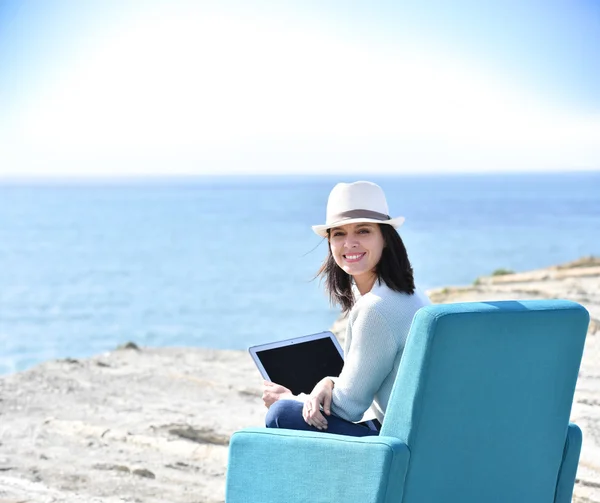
point(363, 231)
point(337, 234)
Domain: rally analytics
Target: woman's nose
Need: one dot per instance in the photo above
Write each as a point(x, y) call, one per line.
point(351, 242)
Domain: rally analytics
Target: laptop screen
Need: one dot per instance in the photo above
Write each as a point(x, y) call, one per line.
point(300, 366)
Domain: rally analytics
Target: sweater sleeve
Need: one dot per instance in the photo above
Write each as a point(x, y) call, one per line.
point(368, 362)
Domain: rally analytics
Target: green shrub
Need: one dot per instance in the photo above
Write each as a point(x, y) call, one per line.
point(502, 272)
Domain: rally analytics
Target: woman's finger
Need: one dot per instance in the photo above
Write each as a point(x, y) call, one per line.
point(320, 420)
point(267, 398)
point(316, 417)
point(307, 412)
point(312, 413)
point(327, 404)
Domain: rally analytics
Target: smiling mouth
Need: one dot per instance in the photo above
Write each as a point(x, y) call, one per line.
point(355, 257)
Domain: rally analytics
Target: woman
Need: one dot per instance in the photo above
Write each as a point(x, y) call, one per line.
point(367, 272)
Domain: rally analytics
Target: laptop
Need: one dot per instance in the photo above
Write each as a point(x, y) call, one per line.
point(301, 362)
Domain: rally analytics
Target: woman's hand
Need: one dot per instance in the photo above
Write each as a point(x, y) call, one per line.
point(320, 396)
point(273, 392)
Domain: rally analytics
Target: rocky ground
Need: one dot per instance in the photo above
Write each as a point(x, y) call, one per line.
point(149, 425)
point(152, 425)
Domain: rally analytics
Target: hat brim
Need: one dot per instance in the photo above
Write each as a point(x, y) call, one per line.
point(321, 230)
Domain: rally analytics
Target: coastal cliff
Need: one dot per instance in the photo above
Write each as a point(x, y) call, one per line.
point(153, 424)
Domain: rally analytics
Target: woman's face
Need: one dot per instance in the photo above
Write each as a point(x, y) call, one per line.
point(357, 249)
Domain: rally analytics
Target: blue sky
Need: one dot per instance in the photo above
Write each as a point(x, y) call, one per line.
point(128, 88)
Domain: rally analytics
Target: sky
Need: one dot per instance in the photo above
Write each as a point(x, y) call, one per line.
point(127, 88)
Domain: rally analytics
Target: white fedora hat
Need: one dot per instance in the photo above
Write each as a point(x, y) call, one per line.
point(356, 202)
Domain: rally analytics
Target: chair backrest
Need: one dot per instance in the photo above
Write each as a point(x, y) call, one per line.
point(483, 397)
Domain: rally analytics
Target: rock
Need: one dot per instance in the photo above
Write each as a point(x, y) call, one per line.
point(201, 435)
point(589, 261)
point(142, 472)
point(129, 345)
point(116, 468)
point(72, 361)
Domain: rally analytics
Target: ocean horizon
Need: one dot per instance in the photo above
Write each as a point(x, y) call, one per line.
point(227, 262)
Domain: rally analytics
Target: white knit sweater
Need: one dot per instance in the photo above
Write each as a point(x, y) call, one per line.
point(378, 325)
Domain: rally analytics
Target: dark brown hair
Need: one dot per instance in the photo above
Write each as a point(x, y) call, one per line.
point(393, 269)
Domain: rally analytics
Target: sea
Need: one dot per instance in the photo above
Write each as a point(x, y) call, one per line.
point(227, 262)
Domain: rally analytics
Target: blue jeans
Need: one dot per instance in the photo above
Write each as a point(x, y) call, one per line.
point(288, 414)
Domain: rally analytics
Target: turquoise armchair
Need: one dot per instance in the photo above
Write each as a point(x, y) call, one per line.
point(479, 414)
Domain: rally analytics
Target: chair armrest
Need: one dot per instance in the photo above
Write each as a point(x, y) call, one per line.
point(277, 465)
point(568, 467)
